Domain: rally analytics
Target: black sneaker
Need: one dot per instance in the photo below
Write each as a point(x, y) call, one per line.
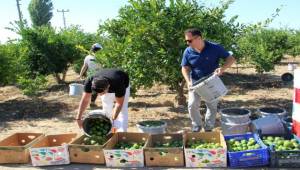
point(196, 128)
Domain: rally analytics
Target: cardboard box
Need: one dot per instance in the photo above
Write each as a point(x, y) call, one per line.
point(164, 156)
point(86, 153)
point(205, 157)
point(15, 148)
point(121, 157)
point(51, 150)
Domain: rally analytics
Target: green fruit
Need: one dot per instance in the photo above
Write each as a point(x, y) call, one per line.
point(287, 143)
point(270, 138)
point(93, 142)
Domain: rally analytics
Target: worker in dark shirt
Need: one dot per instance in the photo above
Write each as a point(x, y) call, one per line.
point(113, 87)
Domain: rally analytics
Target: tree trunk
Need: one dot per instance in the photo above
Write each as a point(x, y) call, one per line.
point(180, 98)
point(57, 78)
point(64, 76)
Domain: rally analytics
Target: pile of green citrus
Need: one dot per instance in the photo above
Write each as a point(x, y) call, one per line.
point(242, 145)
point(129, 145)
point(172, 144)
point(280, 144)
point(202, 144)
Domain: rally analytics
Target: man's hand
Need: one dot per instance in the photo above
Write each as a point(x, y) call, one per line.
point(189, 85)
point(219, 71)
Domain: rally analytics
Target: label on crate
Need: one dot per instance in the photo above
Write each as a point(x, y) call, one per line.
point(49, 156)
point(205, 158)
point(124, 158)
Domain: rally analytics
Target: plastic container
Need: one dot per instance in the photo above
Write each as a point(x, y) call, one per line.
point(231, 128)
point(76, 89)
point(288, 122)
point(235, 115)
point(285, 159)
point(268, 125)
point(210, 88)
point(267, 111)
point(152, 129)
point(248, 158)
point(95, 114)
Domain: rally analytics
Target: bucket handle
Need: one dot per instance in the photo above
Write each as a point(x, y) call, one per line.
point(203, 78)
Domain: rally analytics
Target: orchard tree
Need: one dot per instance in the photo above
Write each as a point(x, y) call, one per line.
point(48, 52)
point(146, 39)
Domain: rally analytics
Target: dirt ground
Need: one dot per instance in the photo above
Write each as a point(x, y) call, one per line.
point(54, 110)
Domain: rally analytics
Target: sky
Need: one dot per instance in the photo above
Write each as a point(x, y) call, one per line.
point(89, 13)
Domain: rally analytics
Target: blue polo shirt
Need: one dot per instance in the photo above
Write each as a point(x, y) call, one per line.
point(205, 62)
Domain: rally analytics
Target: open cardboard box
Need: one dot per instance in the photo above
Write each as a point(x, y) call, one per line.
point(15, 148)
point(172, 156)
point(205, 157)
point(51, 150)
point(125, 158)
point(87, 153)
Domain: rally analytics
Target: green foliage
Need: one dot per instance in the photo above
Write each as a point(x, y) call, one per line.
point(264, 48)
point(40, 12)
point(48, 52)
point(10, 67)
point(147, 39)
point(83, 42)
point(31, 86)
point(294, 41)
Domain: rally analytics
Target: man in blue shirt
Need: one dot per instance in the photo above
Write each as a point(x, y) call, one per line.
point(200, 59)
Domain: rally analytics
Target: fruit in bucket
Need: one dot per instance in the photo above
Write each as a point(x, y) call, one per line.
point(202, 144)
point(97, 130)
point(98, 127)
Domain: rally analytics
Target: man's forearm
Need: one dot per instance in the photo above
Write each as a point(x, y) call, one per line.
point(229, 61)
point(83, 70)
point(117, 109)
point(82, 106)
point(186, 74)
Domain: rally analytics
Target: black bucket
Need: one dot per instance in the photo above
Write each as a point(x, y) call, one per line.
point(95, 117)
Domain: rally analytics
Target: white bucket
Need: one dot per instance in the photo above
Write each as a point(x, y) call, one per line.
point(210, 89)
point(291, 67)
point(75, 89)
